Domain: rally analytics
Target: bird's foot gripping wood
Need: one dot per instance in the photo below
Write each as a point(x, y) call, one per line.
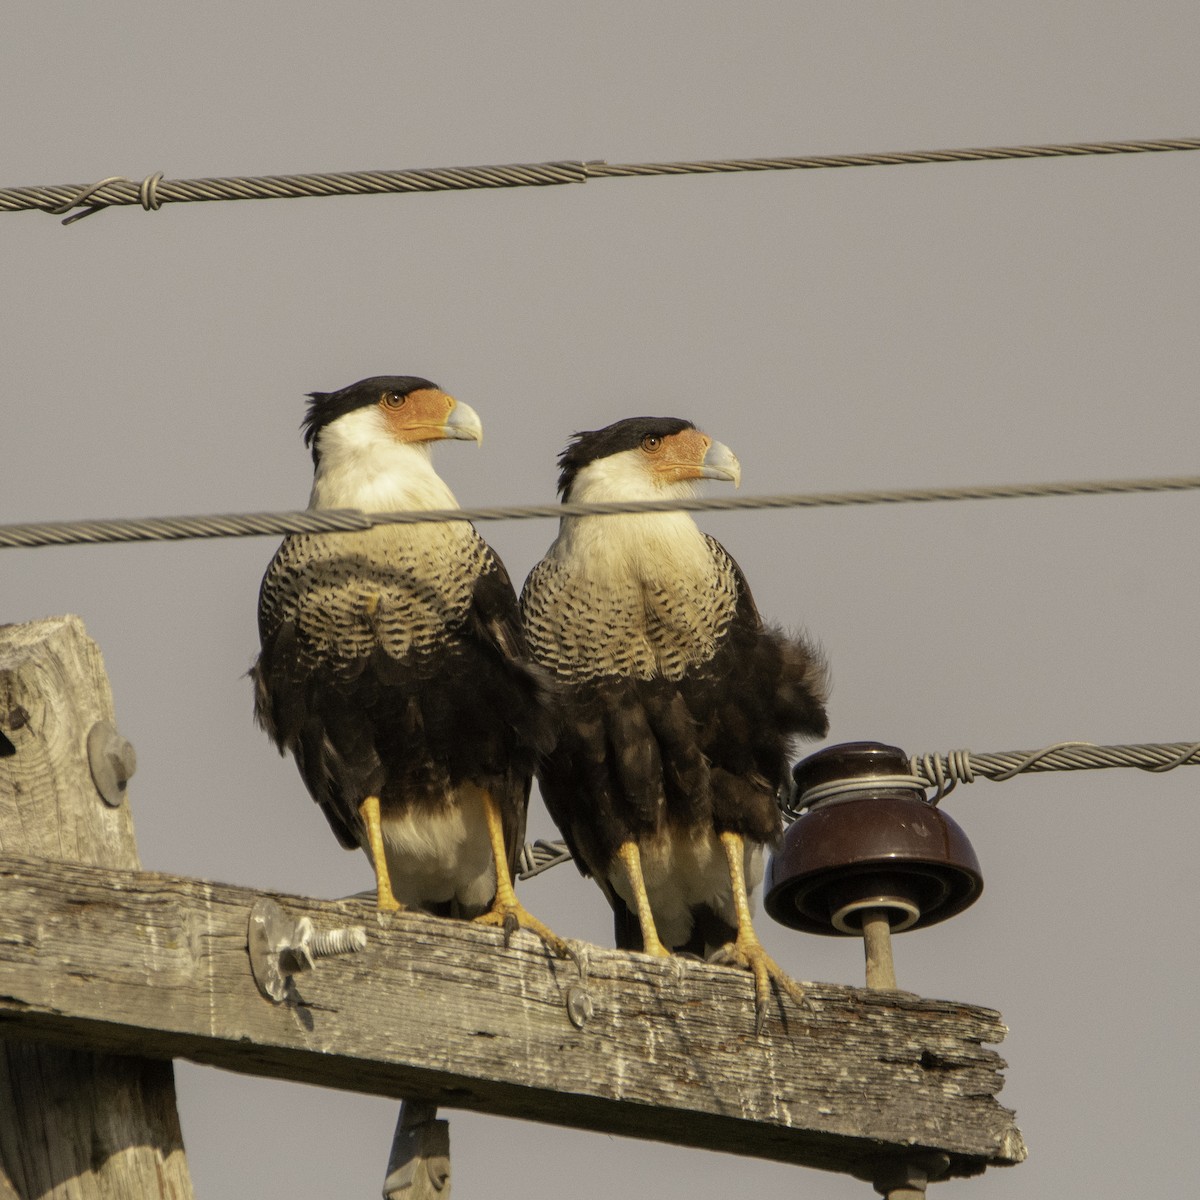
point(747, 951)
point(507, 912)
point(511, 915)
point(369, 811)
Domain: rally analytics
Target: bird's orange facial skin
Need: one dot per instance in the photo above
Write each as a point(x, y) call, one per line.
point(419, 416)
point(678, 456)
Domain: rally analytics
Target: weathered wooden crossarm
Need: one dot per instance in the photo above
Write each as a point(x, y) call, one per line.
point(157, 965)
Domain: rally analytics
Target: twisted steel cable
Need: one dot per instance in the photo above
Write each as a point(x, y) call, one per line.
point(154, 191)
point(901, 158)
point(961, 766)
point(944, 771)
point(156, 529)
point(166, 529)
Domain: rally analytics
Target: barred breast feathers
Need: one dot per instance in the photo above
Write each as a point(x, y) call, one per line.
point(399, 587)
point(644, 596)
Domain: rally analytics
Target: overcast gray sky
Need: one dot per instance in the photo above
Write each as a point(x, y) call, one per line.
point(839, 329)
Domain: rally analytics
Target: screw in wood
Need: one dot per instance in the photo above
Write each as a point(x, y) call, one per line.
point(280, 946)
point(338, 941)
point(302, 946)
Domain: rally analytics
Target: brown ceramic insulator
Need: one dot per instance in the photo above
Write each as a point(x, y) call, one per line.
point(881, 847)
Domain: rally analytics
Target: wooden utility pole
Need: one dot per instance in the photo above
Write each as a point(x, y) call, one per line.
point(73, 1122)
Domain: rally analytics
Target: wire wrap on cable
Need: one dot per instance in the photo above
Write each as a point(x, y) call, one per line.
point(837, 788)
point(961, 766)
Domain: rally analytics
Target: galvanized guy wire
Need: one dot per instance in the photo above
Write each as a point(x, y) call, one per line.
point(154, 191)
point(943, 772)
point(159, 529)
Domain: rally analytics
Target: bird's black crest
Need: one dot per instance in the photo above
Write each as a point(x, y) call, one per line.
point(326, 407)
point(590, 447)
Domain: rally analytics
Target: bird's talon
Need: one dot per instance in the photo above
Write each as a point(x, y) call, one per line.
point(760, 1019)
point(725, 956)
point(511, 925)
point(511, 917)
point(579, 958)
point(752, 957)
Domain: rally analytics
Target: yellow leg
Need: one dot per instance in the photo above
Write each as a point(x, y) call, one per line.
point(747, 951)
point(369, 811)
point(631, 860)
point(507, 911)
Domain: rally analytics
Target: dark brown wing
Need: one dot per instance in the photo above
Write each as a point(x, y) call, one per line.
point(524, 697)
point(372, 708)
point(711, 748)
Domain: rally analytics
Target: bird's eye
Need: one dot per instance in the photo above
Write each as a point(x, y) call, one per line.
point(652, 443)
point(395, 399)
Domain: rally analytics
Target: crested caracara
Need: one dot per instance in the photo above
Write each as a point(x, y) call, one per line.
point(393, 664)
point(678, 705)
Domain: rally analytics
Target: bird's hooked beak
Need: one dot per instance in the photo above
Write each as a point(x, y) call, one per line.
point(720, 462)
point(463, 423)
